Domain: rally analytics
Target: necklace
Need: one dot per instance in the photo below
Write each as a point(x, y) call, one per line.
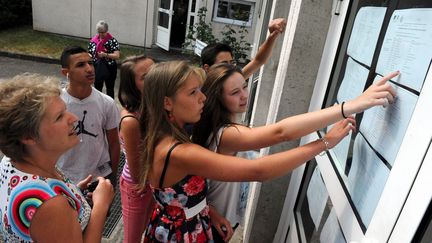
point(58, 175)
point(54, 175)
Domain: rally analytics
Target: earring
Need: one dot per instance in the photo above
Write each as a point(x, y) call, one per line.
point(171, 117)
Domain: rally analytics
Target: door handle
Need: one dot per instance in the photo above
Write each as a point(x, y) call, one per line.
point(338, 7)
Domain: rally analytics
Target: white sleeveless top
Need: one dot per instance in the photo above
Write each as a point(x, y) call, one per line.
point(229, 198)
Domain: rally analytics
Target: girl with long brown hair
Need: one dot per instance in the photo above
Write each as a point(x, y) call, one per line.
point(177, 169)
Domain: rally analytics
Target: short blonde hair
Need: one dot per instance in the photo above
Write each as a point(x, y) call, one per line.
point(102, 26)
point(23, 103)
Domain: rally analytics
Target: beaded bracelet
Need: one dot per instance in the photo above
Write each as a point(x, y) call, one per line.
point(326, 144)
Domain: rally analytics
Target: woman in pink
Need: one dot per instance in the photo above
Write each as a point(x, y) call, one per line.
point(105, 51)
point(137, 204)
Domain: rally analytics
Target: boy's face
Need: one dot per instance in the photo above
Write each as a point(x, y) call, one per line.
point(225, 57)
point(81, 69)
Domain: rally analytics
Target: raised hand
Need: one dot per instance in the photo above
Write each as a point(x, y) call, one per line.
point(277, 25)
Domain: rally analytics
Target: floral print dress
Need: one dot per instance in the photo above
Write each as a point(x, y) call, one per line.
point(169, 223)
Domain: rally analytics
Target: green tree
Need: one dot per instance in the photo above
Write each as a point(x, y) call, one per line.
point(238, 44)
point(203, 31)
point(200, 30)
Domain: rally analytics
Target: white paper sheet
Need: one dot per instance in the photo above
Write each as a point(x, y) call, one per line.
point(365, 33)
point(366, 179)
point(331, 231)
point(353, 82)
point(407, 46)
point(385, 128)
point(317, 196)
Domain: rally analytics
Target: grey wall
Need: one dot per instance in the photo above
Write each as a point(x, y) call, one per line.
point(302, 69)
point(130, 22)
point(62, 17)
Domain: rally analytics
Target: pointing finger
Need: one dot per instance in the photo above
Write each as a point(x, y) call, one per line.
point(387, 77)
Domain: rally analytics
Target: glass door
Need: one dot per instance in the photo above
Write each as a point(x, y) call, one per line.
point(165, 13)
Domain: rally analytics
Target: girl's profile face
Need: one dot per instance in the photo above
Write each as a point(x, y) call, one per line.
point(141, 69)
point(235, 93)
point(188, 102)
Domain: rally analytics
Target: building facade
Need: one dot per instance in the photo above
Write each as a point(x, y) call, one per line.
point(373, 186)
point(305, 73)
point(144, 23)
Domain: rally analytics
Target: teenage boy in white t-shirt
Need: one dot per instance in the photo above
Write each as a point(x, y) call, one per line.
point(98, 117)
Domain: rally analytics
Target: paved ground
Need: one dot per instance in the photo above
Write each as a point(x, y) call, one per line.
point(10, 67)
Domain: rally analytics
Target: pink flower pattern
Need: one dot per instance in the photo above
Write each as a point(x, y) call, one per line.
point(169, 213)
point(194, 186)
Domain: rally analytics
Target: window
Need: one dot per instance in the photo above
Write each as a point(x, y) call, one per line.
point(163, 20)
point(234, 12)
point(375, 31)
point(165, 4)
point(315, 216)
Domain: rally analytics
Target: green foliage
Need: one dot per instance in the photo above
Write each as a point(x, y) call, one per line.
point(200, 30)
point(203, 31)
point(15, 13)
point(239, 45)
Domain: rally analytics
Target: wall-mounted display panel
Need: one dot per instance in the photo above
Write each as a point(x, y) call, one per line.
point(380, 37)
point(369, 175)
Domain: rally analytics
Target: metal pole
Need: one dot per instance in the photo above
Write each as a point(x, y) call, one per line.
point(145, 26)
point(91, 12)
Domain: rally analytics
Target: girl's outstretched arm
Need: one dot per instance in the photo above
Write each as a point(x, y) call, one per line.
point(240, 138)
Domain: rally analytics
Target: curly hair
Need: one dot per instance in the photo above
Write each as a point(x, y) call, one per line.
point(23, 102)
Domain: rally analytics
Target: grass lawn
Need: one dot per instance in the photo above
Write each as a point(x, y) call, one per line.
point(25, 40)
